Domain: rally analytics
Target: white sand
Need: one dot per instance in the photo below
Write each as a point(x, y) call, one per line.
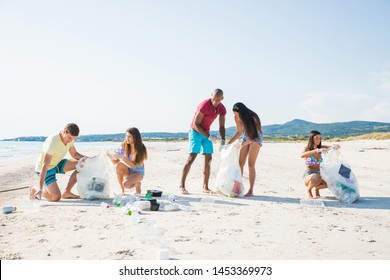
point(271, 225)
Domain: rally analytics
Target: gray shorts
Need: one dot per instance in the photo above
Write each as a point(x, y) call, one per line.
point(259, 141)
point(309, 172)
point(137, 169)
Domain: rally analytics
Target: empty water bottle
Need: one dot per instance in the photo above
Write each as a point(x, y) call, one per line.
point(171, 207)
point(313, 202)
point(126, 211)
point(119, 201)
point(116, 199)
point(135, 218)
point(128, 199)
point(104, 205)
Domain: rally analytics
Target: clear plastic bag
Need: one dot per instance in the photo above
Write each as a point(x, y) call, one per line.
point(338, 174)
point(229, 179)
point(93, 178)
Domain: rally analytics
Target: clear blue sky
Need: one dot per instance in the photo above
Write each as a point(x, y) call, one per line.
point(109, 65)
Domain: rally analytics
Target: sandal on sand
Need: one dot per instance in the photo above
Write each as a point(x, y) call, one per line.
point(183, 190)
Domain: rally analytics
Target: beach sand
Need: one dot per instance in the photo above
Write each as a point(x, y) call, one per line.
point(272, 225)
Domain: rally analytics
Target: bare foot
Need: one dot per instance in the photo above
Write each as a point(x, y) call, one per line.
point(69, 195)
point(138, 188)
point(183, 190)
point(208, 191)
point(248, 194)
point(35, 193)
point(32, 191)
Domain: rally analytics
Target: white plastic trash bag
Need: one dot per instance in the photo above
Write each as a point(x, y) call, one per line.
point(229, 179)
point(338, 175)
point(92, 179)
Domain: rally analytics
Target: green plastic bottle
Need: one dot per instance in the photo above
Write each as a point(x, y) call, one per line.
point(148, 196)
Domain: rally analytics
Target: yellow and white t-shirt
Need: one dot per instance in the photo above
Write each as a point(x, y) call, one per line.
point(54, 147)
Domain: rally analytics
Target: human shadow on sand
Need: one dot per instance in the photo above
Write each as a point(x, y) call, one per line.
point(77, 202)
point(363, 203)
point(382, 203)
point(210, 199)
point(180, 200)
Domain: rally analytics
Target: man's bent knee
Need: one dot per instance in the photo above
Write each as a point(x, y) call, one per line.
point(55, 198)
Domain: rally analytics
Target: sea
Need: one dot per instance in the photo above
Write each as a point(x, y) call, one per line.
point(16, 150)
point(12, 150)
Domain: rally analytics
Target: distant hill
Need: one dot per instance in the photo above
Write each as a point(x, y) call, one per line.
point(291, 129)
point(297, 128)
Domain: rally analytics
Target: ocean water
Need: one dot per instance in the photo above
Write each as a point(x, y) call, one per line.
point(12, 150)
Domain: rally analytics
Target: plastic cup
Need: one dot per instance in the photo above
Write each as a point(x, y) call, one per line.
point(163, 254)
point(171, 207)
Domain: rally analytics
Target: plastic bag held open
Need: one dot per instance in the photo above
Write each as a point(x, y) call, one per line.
point(229, 179)
point(92, 177)
point(337, 173)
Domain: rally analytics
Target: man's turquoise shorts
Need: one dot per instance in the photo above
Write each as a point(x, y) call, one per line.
point(51, 173)
point(199, 143)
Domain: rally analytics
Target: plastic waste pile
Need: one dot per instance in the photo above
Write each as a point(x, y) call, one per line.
point(149, 232)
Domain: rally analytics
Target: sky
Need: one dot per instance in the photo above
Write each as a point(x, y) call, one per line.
point(111, 65)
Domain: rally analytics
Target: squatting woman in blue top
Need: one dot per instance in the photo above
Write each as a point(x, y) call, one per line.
point(129, 161)
point(313, 158)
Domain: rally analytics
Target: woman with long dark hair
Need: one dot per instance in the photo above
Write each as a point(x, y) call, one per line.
point(129, 161)
point(313, 158)
point(248, 123)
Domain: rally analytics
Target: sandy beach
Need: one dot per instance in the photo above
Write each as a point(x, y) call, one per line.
point(272, 225)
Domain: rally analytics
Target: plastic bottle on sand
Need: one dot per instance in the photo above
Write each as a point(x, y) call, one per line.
point(313, 202)
point(116, 199)
point(171, 207)
point(126, 211)
point(135, 218)
point(104, 205)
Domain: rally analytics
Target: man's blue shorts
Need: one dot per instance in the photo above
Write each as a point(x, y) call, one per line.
point(51, 173)
point(199, 143)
